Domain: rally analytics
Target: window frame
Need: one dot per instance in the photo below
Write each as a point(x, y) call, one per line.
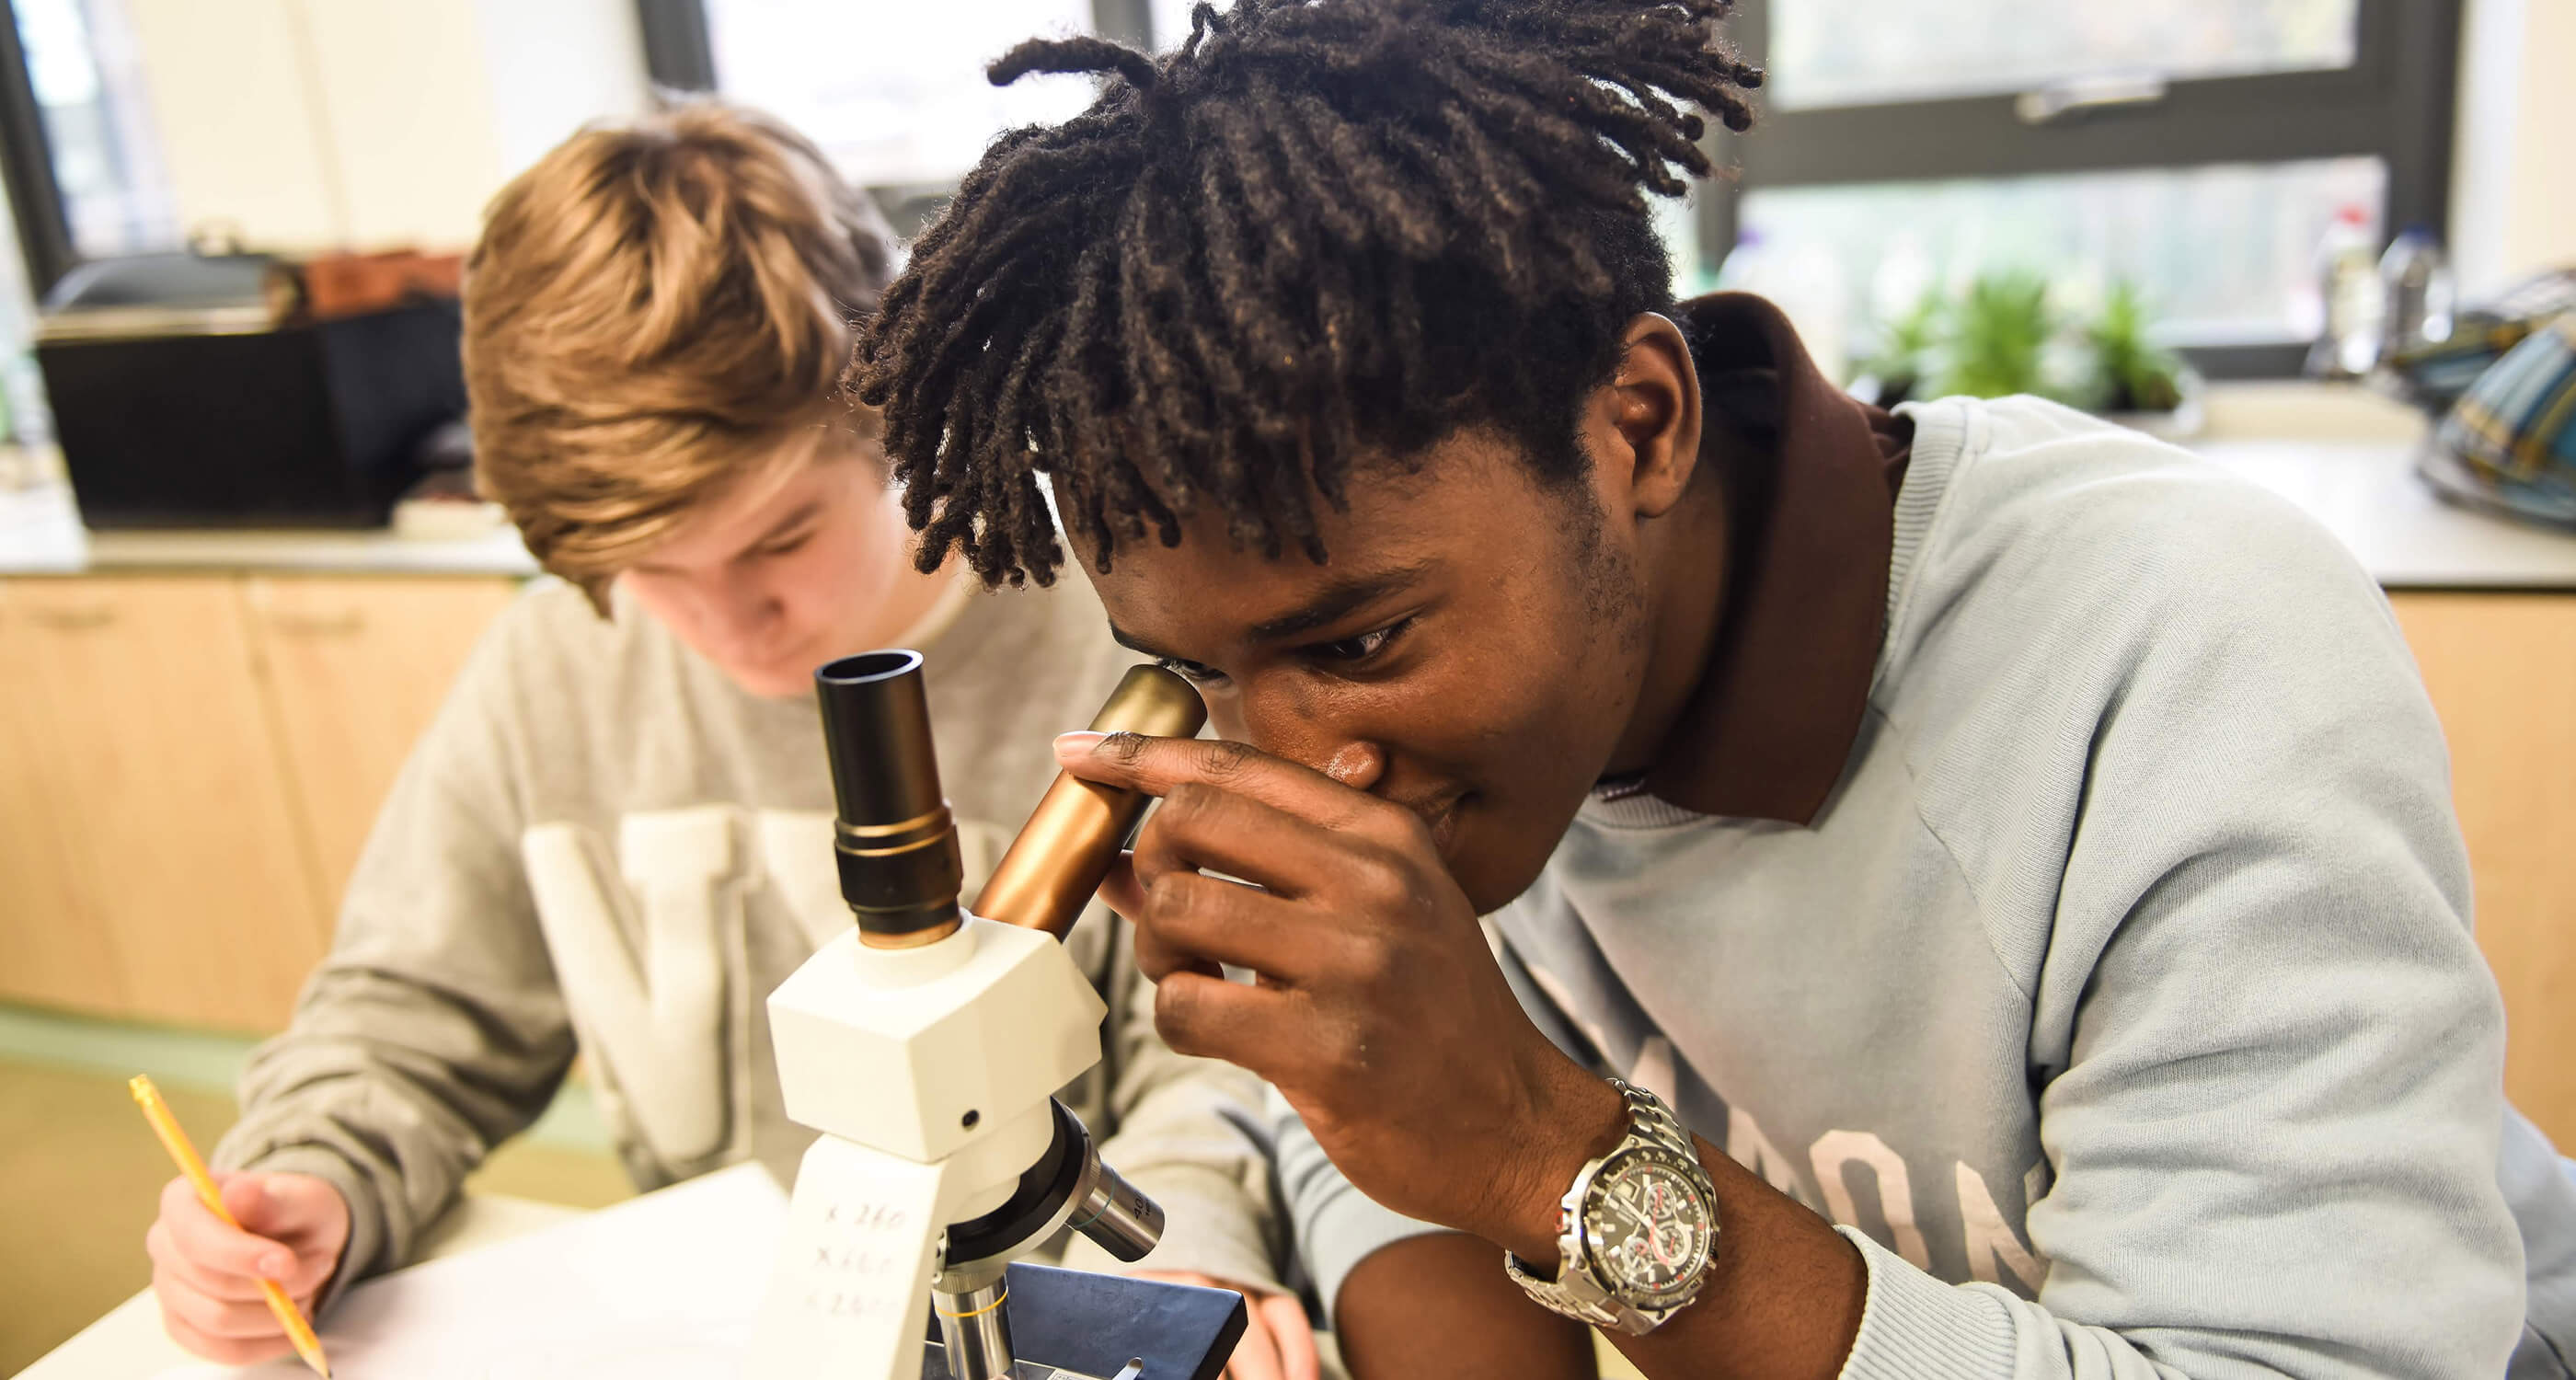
point(27, 169)
point(2398, 101)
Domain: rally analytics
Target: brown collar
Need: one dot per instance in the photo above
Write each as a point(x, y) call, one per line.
point(1766, 733)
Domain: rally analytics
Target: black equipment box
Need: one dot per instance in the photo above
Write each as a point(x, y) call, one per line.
point(181, 399)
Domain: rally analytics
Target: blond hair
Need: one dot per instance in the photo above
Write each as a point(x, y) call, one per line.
point(652, 309)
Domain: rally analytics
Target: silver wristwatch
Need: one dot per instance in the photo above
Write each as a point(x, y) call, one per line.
point(1636, 1232)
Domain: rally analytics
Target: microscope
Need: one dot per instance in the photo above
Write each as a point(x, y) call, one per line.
point(925, 1044)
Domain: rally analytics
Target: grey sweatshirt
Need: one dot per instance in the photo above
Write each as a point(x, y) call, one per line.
point(604, 847)
point(2120, 1005)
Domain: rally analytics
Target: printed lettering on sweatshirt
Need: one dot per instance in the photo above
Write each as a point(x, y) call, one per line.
point(1846, 1165)
point(648, 939)
point(1851, 1176)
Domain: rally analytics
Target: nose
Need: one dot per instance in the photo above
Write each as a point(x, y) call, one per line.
point(740, 614)
point(1296, 732)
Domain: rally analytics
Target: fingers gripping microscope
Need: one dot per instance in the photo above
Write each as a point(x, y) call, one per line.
point(926, 1044)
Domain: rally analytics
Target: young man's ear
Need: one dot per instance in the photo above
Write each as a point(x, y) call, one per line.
point(1651, 409)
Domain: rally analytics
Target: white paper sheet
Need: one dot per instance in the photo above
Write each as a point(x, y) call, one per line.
point(661, 1288)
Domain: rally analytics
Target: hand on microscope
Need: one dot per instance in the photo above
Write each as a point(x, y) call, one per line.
point(1378, 1012)
point(1278, 1342)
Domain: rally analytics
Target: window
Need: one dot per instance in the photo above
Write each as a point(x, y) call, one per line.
point(1172, 22)
point(893, 90)
point(17, 315)
point(84, 172)
point(2197, 150)
point(1869, 52)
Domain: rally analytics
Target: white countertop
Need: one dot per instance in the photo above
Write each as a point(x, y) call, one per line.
point(41, 534)
point(2365, 492)
point(2407, 537)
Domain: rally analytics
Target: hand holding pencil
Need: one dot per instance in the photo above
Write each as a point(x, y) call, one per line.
point(236, 1261)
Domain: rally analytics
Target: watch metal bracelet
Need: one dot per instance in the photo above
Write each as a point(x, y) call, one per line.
point(1647, 1113)
point(1579, 1292)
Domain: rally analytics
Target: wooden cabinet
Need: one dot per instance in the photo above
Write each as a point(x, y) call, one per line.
point(187, 765)
point(155, 750)
point(2502, 672)
point(355, 670)
point(53, 940)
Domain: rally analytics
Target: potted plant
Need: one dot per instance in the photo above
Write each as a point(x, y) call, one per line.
point(1998, 339)
point(2133, 380)
point(1893, 373)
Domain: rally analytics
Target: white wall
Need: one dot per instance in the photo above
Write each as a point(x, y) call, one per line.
point(2542, 227)
point(372, 123)
point(236, 117)
point(408, 115)
point(2514, 172)
point(552, 65)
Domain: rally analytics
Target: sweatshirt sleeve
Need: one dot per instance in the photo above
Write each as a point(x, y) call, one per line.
point(1188, 1132)
point(434, 1028)
point(1337, 1226)
point(2266, 1052)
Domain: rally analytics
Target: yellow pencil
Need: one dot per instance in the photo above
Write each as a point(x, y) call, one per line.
point(175, 1141)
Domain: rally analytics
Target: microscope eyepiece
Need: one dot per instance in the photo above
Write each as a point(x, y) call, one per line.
point(894, 838)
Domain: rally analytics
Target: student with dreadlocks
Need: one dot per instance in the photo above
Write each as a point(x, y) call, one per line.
point(2006, 865)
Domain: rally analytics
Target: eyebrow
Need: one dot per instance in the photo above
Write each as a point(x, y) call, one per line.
point(1335, 601)
point(802, 514)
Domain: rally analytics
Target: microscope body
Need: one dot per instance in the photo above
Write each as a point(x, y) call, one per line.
point(926, 1045)
point(930, 1072)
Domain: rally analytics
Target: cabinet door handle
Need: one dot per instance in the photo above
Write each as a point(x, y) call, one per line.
point(347, 623)
point(72, 619)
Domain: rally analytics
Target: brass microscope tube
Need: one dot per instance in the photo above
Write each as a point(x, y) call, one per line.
point(1073, 836)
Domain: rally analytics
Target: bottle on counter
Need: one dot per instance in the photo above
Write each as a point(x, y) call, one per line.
point(2415, 281)
point(2355, 301)
point(22, 392)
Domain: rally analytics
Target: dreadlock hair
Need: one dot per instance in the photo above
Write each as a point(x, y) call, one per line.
point(1321, 227)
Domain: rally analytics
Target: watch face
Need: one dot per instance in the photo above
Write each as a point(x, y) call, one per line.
point(1648, 1225)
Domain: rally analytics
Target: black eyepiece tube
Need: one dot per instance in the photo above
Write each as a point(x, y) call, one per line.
point(894, 839)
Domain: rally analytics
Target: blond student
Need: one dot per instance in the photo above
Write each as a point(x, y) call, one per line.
point(614, 839)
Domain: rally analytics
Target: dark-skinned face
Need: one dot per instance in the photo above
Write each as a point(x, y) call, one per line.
point(1476, 645)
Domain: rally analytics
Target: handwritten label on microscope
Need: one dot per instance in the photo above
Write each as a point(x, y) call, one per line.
point(863, 1262)
point(852, 1293)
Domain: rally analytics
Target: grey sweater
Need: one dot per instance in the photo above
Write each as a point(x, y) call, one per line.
point(603, 847)
point(2121, 1004)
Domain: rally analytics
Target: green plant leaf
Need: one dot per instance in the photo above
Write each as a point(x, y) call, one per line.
point(1998, 337)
